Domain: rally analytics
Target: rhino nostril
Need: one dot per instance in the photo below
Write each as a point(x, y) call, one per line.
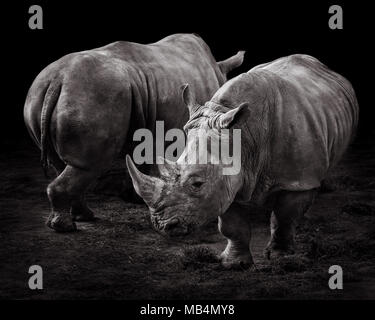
point(172, 223)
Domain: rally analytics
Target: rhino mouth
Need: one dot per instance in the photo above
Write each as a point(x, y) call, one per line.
point(172, 227)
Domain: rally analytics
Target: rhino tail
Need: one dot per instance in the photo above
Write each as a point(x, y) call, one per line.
point(49, 103)
point(232, 62)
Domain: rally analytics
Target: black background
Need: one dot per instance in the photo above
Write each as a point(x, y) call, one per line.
point(265, 30)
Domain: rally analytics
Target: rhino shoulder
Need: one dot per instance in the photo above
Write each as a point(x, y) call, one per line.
point(247, 87)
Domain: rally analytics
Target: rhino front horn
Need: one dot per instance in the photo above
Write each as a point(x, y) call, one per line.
point(147, 187)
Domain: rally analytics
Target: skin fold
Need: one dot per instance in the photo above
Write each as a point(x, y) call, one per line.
point(297, 118)
point(83, 109)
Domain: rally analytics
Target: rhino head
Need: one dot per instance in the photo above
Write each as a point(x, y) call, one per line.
point(188, 195)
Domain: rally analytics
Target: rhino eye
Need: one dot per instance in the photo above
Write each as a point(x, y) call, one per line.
point(197, 184)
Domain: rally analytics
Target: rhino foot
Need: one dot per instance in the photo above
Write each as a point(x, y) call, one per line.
point(83, 215)
point(61, 223)
point(274, 252)
point(80, 211)
point(239, 262)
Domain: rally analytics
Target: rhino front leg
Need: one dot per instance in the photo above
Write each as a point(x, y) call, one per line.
point(289, 207)
point(65, 192)
point(234, 224)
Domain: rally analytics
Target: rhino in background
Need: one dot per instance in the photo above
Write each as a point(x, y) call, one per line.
point(296, 117)
point(83, 108)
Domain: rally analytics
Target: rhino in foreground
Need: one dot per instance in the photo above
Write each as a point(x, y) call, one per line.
point(83, 108)
point(296, 117)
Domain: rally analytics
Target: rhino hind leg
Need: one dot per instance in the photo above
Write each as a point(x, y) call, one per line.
point(79, 209)
point(289, 207)
point(235, 226)
point(64, 193)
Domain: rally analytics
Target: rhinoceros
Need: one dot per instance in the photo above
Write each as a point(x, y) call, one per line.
point(296, 118)
point(83, 108)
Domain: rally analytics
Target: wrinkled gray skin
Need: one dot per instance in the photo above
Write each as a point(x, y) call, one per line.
point(83, 108)
point(296, 118)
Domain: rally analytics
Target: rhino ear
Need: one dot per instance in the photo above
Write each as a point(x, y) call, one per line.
point(232, 62)
point(189, 99)
point(187, 95)
point(234, 116)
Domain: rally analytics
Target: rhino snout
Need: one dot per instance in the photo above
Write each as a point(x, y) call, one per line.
point(174, 227)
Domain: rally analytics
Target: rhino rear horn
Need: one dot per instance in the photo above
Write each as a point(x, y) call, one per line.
point(147, 187)
point(232, 62)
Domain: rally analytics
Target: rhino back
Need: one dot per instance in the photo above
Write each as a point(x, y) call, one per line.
point(158, 70)
point(315, 116)
point(154, 72)
point(107, 85)
point(308, 113)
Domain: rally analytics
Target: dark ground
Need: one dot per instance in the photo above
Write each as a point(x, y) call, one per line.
point(120, 257)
